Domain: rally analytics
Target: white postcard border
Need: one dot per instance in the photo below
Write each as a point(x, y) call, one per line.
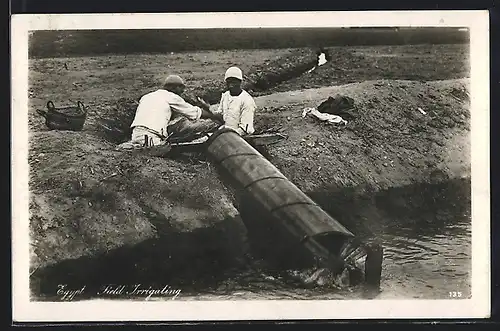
point(103, 310)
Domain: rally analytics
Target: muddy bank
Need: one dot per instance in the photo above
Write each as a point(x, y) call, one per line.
point(87, 199)
point(100, 215)
point(426, 207)
point(387, 141)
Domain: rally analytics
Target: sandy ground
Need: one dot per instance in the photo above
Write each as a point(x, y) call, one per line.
point(92, 205)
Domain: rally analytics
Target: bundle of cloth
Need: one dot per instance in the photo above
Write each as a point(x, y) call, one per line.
point(334, 110)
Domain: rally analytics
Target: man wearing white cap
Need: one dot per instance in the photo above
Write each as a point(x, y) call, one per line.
point(160, 109)
point(237, 107)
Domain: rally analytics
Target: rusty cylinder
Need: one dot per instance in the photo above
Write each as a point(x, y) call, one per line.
point(296, 213)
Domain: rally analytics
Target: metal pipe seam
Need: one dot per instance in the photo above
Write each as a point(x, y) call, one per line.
point(261, 179)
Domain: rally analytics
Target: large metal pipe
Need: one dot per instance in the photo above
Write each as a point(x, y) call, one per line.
point(298, 219)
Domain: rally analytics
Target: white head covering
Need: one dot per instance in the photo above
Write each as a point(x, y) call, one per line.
point(234, 72)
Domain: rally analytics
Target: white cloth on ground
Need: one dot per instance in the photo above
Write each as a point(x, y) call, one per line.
point(329, 118)
point(321, 59)
point(237, 112)
point(142, 137)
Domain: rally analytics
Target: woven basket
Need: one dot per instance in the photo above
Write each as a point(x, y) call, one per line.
point(65, 118)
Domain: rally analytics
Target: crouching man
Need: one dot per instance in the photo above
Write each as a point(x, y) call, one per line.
point(164, 112)
point(237, 107)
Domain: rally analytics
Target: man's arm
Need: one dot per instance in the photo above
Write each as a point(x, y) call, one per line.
point(207, 113)
point(215, 115)
point(219, 112)
point(220, 108)
point(179, 105)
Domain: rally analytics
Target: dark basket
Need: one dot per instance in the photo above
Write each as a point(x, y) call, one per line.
point(67, 118)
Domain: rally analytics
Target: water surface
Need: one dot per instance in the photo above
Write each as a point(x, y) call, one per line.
point(423, 263)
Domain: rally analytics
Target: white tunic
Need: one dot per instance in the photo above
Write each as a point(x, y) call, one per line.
point(237, 112)
point(158, 108)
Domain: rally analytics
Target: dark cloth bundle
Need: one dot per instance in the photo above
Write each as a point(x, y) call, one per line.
point(339, 105)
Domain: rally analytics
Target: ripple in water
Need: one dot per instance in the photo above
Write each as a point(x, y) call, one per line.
point(417, 264)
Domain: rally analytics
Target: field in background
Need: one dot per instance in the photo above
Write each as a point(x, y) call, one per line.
point(101, 80)
point(93, 42)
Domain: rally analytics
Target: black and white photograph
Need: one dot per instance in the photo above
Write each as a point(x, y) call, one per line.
point(239, 166)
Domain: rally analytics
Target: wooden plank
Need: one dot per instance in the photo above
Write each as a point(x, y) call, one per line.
point(265, 139)
point(256, 140)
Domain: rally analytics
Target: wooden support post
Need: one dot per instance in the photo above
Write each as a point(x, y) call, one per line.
point(373, 265)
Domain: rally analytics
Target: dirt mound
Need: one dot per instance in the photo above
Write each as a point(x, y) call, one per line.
point(402, 132)
point(88, 200)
